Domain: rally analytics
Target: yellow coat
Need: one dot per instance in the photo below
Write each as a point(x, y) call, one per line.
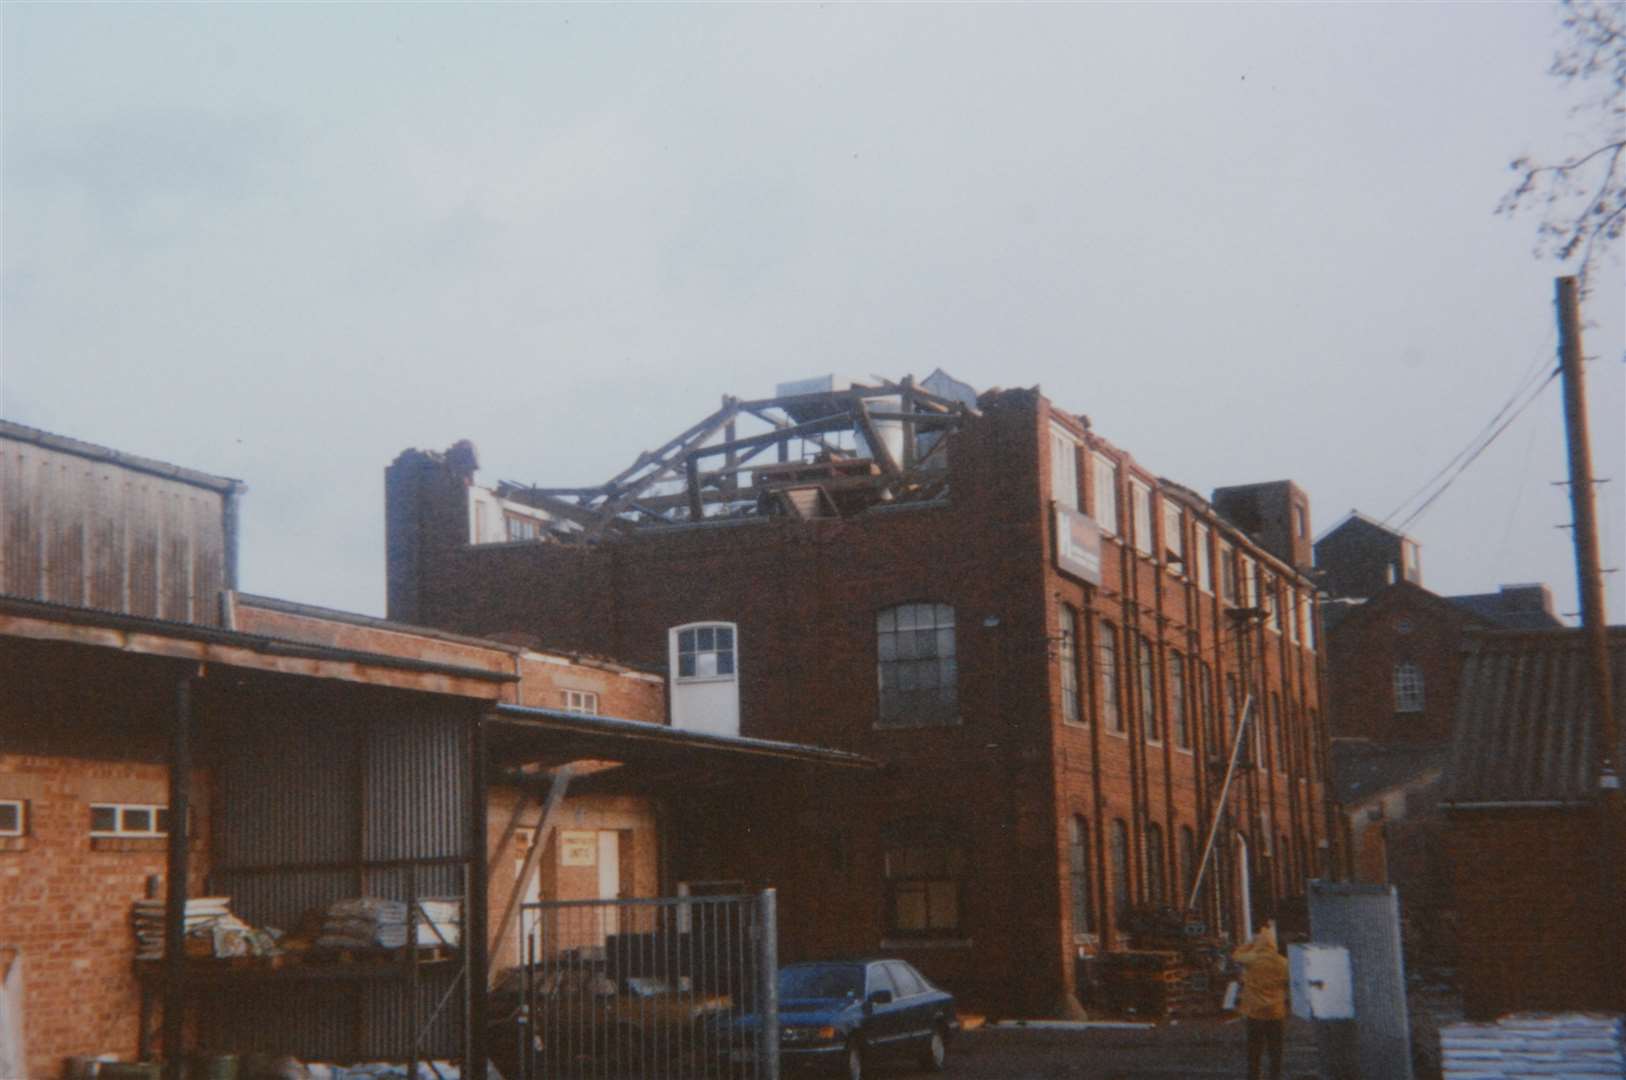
point(1264, 978)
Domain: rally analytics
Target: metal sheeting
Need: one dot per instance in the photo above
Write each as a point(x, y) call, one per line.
point(1524, 726)
point(93, 533)
point(315, 808)
point(416, 789)
point(1365, 919)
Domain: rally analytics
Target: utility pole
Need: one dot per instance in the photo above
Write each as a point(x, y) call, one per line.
point(1588, 574)
point(1594, 624)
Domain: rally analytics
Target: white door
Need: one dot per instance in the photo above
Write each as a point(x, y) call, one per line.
point(1244, 890)
point(527, 921)
point(609, 876)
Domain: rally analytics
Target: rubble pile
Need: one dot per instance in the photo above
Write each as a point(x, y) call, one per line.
point(1578, 1045)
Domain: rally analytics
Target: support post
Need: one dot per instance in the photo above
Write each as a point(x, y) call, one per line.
point(1588, 573)
point(180, 787)
point(476, 954)
point(550, 813)
point(768, 976)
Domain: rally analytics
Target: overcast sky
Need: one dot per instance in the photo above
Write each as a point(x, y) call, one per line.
point(285, 242)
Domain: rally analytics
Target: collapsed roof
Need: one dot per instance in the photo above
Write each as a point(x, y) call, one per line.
point(840, 445)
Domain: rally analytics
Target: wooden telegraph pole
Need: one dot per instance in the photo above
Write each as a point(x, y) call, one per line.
point(1594, 623)
point(1588, 573)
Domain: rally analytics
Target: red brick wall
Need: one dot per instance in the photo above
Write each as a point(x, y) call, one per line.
point(1539, 923)
point(65, 900)
point(1364, 648)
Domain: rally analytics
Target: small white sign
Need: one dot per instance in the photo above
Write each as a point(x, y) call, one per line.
point(578, 848)
point(1322, 988)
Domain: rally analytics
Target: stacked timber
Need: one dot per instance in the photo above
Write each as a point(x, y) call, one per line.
point(1579, 1045)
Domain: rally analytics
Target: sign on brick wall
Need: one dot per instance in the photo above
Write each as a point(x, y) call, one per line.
point(578, 848)
point(1078, 545)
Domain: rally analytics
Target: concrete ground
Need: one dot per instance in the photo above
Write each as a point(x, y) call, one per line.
point(1194, 1050)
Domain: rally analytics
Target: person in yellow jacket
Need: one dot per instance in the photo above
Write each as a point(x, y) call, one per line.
point(1264, 999)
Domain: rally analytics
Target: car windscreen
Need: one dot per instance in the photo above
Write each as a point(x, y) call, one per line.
point(821, 981)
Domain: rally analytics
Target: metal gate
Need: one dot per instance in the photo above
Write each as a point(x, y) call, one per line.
point(657, 989)
point(1365, 919)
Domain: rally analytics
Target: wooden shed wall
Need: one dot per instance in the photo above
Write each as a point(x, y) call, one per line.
point(90, 533)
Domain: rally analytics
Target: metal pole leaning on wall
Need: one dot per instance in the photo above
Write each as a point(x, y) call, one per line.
point(1218, 812)
point(768, 979)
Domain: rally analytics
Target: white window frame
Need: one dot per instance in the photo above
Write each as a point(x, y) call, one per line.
point(21, 807)
point(1205, 562)
point(1140, 511)
point(1307, 621)
point(1105, 494)
point(1227, 573)
point(1291, 598)
point(120, 830)
point(1268, 600)
point(1064, 467)
point(732, 651)
point(1248, 573)
point(1409, 688)
point(584, 702)
point(1174, 537)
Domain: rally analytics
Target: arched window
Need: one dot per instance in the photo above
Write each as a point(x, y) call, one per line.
point(1111, 714)
point(1408, 688)
point(1120, 869)
point(1068, 651)
point(916, 665)
point(1078, 869)
point(1155, 864)
point(1146, 663)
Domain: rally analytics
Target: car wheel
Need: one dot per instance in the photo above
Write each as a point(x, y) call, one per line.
point(855, 1060)
point(935, 1050)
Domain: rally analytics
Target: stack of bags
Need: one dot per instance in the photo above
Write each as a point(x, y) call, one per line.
point(210, 927)
point(1534, 1044)
point(371, 923)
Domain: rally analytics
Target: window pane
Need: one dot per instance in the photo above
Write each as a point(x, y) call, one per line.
point(705, 664)
point(886, 621)
point(136, 820)
point(906, 616)
point(907, 677)
point(909, 900)
point(686, 664)
point(725, 637)
point(725, 663)
point(925, 643)
point(945, 615)
point(686, 641)
point(945, 642)
point(950, 674)
point(906, 645)
point(10, 818)
point(704, 638)
point(926, 674)
point(887, 647)
point(103, 819)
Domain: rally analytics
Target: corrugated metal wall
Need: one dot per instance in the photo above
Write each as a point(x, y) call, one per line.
point(95, 534)
point(310, 806)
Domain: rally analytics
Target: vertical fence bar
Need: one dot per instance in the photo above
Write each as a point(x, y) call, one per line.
point(768, 978)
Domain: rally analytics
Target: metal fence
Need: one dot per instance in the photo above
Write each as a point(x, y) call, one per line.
point(657, 989)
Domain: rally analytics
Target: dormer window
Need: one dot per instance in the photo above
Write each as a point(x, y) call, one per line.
point(705, 651)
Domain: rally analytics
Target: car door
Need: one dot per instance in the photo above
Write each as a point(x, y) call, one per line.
point(914, 1005)
point(885, 1025)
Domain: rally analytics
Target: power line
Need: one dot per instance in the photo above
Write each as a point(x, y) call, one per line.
point(1482, 436)
point(1441, 490)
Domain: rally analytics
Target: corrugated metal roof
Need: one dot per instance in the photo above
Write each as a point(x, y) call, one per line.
point(1525, 730)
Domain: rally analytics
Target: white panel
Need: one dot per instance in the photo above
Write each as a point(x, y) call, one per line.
point(1322, 986)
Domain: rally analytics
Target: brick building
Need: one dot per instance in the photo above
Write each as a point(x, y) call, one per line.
point(331, 755)
point(1049, 646)
point(1537, 845)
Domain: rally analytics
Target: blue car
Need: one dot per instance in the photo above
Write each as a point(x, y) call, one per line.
point(844, 1016)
